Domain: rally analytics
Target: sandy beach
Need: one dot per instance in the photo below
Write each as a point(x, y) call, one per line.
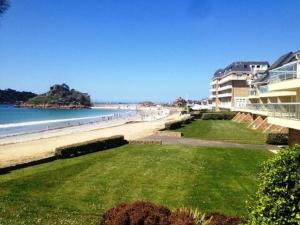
point(25, 148)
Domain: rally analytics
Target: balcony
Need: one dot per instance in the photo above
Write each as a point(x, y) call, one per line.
point(263, 92)
point(285, 78)
point(253, 92)
point(225, 105)
point(280, 110)
point(213, 82)
point(224, 95)
point(284, 110)
point(285, 115)
point(225, 88)
point(232, 77)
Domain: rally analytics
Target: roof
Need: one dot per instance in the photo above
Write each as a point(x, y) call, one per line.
point(284, 59)
point(239, 66)
point(219, 73)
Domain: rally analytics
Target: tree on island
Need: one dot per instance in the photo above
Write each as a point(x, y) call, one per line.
point(4, 5)
point(10, 96)
point(60, 96)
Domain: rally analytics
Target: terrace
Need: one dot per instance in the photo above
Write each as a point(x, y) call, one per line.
point(285, 77)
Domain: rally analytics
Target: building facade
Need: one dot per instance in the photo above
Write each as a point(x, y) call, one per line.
point(275, 95)
point(230, 87)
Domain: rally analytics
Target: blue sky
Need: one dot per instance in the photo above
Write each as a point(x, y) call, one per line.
point(132, 50)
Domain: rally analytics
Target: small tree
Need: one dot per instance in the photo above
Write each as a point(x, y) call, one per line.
point(4, 4)
point(278, 196)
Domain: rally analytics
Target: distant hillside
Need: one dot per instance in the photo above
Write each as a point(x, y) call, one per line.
point(60, 96)
point(10, 96)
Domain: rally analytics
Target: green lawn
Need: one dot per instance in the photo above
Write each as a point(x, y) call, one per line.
point(226, 130)
point(79, 190)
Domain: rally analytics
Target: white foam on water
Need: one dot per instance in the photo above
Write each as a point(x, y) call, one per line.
point(32, 123)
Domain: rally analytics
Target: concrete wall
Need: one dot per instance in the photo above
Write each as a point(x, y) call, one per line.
point(240, 92)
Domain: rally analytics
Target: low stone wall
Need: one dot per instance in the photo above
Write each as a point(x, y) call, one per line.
point(7, 169)
point(167, 133)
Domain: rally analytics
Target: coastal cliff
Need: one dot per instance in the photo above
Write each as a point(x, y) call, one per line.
point(10, 96)
point(59, 96)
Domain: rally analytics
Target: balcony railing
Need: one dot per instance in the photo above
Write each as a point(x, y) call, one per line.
point(280, 110)
point(225, 87)
point(286, 72)
point(253, 92)
point(282, 76)
point(224, 95)
point(263, 89)
point(284, 110)
point(225, 105)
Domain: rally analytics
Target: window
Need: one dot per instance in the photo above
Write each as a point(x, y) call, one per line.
point(245, 66)
point(258, 66)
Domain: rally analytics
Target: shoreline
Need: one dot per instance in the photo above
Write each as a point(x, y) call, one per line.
point(30, 147)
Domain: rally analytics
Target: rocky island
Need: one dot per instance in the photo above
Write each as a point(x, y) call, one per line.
point(10, 96)
point(59, 97)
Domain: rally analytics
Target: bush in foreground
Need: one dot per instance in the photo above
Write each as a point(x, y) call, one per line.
point(277, 139)
point(137, 213)
point(147, 213)
point(278, 196)
point(218, 116)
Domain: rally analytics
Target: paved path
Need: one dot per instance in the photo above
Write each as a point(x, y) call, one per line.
point(208, 143)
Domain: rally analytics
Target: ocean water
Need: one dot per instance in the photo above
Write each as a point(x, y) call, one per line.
point(14, 121)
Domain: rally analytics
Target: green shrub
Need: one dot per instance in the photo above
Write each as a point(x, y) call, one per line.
point(278, 198)
point(197, 114)
point(218, 116)
point(89, 146)
point(187, 119)
point(277, 139)
point(173, 125)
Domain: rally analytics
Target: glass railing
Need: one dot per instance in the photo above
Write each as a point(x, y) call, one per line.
point(253, 92)
point(283, 73)
point(284, 110)
point(263, 89)
point(280, 110)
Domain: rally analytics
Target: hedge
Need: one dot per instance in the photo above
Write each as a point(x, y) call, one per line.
point(197, 114)
point(218, 116)
point(278, 196)
point(89, 146)
point(277, 139)
point(178, 123)
point(173, 125)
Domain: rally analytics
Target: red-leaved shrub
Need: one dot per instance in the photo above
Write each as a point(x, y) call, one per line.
point(137, 213)
point(147, 213)
point(181, 218)
point(219, 219)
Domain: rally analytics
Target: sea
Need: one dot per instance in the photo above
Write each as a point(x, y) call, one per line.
point(17, 121)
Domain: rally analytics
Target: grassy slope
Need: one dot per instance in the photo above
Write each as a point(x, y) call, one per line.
point(79, 190)
point(223, 130)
